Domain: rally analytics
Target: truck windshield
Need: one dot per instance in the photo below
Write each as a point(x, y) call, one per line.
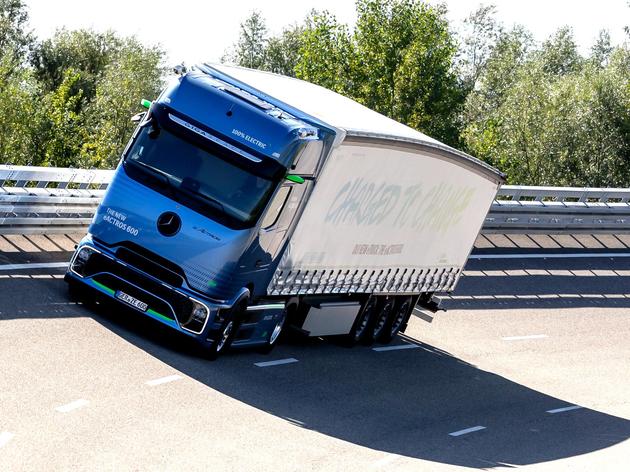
point(193, 173)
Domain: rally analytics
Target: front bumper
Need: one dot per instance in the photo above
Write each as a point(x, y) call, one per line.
point(98, 268)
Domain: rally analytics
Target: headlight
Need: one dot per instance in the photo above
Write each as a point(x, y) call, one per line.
point(81, 259)
point(196, 319)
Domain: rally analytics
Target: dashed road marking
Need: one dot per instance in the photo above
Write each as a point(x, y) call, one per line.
point(163, 380)
point(395, 348)
point(5, 437)
point(566, 408)
point(521, 338)
point(461, 432)
point(290, 360)
point(72, 406)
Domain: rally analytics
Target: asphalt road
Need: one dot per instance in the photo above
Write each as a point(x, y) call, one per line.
point(530, 366)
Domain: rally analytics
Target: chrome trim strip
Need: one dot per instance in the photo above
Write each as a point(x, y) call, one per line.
point(214, 139)
point(270, 306)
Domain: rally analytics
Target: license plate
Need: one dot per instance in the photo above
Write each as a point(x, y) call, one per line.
point(134, 302)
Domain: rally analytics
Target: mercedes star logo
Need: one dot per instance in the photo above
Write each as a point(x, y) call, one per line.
point(169, 223)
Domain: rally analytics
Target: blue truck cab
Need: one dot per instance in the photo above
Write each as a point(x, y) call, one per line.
point(200, 207)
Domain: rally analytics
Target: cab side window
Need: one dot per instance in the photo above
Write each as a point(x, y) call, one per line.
point(281, 198)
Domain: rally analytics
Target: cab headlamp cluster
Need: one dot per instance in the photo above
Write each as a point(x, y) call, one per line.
point(81, 258)
point(197, 317)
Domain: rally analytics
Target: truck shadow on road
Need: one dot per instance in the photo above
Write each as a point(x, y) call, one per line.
point(400, 402)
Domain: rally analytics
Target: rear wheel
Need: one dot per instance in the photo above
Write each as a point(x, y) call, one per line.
point(382, 320)
point(361, 330)
point(398, 315)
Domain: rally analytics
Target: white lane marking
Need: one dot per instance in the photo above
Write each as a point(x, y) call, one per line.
point(520, 338)
point(35, 265)
point(72, 406)
point(566, 408)
point(395, 348)
point(466, 431)
point(290, 360)
point(163, 380)
point(387, 460)
point(578, 255)
point(5, 437)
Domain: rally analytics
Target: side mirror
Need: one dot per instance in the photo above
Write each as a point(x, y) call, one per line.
point(137, 118)
point(294, 178)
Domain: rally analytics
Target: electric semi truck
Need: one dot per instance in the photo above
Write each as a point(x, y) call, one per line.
point(247, 203)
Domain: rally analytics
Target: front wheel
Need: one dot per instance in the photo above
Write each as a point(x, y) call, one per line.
point(222, 339)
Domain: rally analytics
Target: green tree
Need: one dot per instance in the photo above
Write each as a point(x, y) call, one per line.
point(282, 52)
point(250, 49)
point(397, 61)
point(134, 73)
point(63, 124)
point(84, 51)
point(550, 117)
point(326, 53)
point(478, 39)
point(18, 114)
point(15, 40)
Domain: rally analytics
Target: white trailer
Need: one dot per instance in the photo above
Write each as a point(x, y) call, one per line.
point(393, 214)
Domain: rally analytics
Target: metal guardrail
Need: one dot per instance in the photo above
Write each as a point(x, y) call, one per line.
point(48, 200)
point(557, 210)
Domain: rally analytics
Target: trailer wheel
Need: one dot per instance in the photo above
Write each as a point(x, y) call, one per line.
point(402, 308)
point(383, 319)
point(361, 330)
point(272, 340)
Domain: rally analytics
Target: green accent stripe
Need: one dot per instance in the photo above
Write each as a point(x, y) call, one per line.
point(160, 315)
point(149, 311)
point(104, 288)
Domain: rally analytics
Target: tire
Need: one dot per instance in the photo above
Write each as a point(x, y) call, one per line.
point(383, 320)
point(361, 329)
point(275, 334)
point(222, 339)
point(398, 316)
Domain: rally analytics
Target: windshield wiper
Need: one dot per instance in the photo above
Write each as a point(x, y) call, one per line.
point(166, 178)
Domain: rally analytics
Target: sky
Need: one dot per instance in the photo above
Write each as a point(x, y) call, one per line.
point(195, 31)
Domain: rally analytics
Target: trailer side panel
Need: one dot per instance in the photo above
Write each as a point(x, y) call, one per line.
point(386, 217)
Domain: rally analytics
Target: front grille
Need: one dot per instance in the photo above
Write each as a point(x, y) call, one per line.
point(150, 267)
point(107, 271)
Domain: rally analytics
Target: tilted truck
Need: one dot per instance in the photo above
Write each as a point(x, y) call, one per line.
point(248, 202)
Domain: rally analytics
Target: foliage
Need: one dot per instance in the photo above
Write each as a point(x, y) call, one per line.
point(326, 53)
point(543, 113)
point(69, 105)
point(86, 52)
point(550, 117)
point(134, 73)
point(15, 40)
